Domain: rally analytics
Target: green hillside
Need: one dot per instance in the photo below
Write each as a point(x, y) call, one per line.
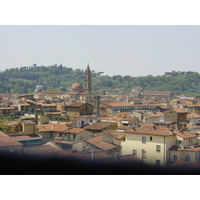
point(60, 78)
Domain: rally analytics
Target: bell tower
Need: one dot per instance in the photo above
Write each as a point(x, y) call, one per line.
point(87, 81)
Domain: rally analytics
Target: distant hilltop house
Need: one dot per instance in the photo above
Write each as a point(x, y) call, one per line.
point(76, 93)
point(171, 73)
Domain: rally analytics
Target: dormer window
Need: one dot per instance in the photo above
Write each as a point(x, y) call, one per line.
point(178, 142)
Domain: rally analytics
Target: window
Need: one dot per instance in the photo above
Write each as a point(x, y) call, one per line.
point(175, 158)
point(187, 157)
point(144, 154)
point(157, 148)
point(151, 138)
point(74, 136)
point(157, 162)
point(178, 142)
point(82, 123)
point(144, 140)
point(135, 152)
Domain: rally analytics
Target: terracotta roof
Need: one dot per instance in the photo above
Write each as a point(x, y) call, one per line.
point(5, 141)
point(176, 148)
point(108, 117)
point(68, 123)
point(126, 118)
point(186, 164)
point(10, 123)
point(189, 126)
point(117, 134)
point(14, 106)
point(98, 125)
point(99, 143)
point(7, 108)
point(184, 134)
point(75, 130)
point(52, 127)
point(62, 142)
point(160, 114)
point(179, 110)
point(149, 129)
point(130, 158)
point(192, 115)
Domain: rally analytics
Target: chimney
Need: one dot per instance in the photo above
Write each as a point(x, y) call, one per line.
point(133, 127)
point(73, 150)
point(171, 131)
point(181, 130)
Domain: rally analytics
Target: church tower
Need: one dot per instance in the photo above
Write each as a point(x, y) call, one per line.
point(87, 81)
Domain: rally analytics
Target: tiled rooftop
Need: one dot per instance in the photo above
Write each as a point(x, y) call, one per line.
point(98, 126)
point(5, 140)
point(52, 127)
point(99, 143)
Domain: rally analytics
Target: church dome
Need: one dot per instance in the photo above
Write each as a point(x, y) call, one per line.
point(77, 86)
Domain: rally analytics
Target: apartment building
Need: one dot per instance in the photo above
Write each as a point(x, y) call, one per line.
point(160, 145)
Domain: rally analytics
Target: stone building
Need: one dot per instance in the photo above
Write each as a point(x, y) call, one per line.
point(79, 108)
point(176, 115)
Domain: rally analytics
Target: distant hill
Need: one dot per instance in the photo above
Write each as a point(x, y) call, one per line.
point(1, 71)
point(60, 78)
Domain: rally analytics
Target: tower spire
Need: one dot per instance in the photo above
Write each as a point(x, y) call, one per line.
point(88, 67)
point(87, 81)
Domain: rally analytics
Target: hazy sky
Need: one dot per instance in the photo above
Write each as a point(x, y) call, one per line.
point(119, 49)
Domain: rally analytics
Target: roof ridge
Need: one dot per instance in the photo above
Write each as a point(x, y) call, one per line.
point(164, 130)
point(51, 127)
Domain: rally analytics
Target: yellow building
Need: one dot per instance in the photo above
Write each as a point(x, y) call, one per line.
point(18, 128)
point(159, 145)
